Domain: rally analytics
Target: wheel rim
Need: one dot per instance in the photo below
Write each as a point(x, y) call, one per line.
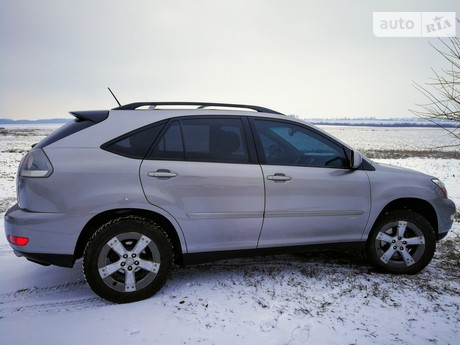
point(400, 244)
point(129, 262)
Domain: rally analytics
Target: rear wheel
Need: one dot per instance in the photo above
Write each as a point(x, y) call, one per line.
point(128, 259)
point(401, 242)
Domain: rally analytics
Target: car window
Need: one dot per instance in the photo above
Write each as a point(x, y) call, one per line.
point(171, 145)
point(286, 143)
point(208, 140)
point(134, 144)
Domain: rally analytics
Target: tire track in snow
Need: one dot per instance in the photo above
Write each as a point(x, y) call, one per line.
point(74, 296)
point(61, 288)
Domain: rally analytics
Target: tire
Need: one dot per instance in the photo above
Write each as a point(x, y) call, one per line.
point(401, 242)
point(127, 259)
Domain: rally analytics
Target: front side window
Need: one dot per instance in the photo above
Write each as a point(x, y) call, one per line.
point(207, 140)
point(286, 143)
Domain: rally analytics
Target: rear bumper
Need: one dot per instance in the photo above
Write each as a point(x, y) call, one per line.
point(48, 259)
point(52, 236)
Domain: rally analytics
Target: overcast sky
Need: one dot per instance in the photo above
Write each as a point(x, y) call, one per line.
point(309, 58)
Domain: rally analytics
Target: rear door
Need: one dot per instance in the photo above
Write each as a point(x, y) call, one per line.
point(311, 194)
point(204, 173)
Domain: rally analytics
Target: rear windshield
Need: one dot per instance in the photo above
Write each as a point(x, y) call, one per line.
point(66, 130)
point(83, 119)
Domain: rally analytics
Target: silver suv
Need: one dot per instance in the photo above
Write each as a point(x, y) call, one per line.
point(144, 186)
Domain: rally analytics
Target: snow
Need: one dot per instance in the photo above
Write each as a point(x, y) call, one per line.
point(311, 298)
point(334, 299)
point(275, 300)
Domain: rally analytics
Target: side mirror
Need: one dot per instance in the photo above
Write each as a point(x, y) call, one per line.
point(356, 159)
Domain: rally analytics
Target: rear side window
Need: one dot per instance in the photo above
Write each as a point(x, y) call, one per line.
point(208, 140)
point(135, 144)
point(170, 145)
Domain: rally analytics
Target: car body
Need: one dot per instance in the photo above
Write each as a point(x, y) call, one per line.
point(134, 190)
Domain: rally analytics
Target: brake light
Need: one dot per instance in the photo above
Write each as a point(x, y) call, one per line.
point(19, 241)
point(35, 164)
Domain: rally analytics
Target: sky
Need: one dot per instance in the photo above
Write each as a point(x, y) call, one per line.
point(309, 58)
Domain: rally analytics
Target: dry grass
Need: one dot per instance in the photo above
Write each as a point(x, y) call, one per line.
point(401, 154)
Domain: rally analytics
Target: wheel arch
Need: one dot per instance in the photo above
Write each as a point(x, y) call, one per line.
point(102, 218)
point(420, 206)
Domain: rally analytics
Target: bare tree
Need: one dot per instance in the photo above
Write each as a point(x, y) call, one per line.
point(443, 91)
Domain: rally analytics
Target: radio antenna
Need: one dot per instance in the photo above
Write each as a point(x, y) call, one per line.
point(114, 97)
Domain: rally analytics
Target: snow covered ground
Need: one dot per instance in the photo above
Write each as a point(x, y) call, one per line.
point(388, 138)
point(314, 298)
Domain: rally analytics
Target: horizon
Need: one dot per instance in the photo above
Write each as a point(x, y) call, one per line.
point(339, 121)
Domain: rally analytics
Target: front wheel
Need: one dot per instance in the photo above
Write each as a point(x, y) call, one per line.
point(401, 242)
point(127, 259)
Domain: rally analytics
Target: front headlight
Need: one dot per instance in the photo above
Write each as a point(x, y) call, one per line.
point(441, 185)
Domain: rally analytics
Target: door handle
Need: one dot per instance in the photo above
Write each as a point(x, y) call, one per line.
point(278, 177)
point(162, 173)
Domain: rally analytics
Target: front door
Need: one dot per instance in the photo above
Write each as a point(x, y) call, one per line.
point(312, 196)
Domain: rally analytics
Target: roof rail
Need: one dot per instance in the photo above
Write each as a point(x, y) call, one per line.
point(200, 105)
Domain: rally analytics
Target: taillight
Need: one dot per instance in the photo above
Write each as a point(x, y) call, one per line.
point(35, 164)
point(19, 241)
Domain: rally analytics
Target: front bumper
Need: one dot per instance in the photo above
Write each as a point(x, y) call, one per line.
point(52, 236)
point(446, 214)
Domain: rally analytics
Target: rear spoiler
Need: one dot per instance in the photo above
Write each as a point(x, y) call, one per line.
point(95, 116)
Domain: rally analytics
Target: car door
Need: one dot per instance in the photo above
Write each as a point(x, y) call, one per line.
point(312, 196)
point(203, 172)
